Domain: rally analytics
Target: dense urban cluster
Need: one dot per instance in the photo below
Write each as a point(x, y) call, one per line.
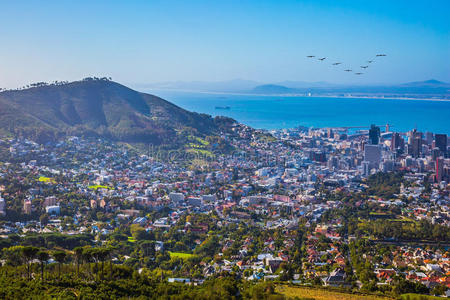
point(366, 211)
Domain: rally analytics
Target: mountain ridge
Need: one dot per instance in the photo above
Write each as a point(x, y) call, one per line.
point(98, 107)
point(429, 87)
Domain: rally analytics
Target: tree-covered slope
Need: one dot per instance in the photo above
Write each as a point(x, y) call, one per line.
point(97, 107)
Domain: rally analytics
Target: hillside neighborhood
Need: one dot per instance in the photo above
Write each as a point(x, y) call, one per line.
point(363, 211)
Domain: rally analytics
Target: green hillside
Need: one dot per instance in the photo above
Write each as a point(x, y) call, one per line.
point(98, 107)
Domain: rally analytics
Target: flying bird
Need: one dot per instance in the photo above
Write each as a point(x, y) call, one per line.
point(322, 59)
point(348, 70)
point(310, 56)
point(381, 55)
point(338, 63)
point(359, 73)
point(364, 67)
point(370, 61)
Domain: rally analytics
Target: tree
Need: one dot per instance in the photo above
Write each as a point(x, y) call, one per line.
point(60, 257)
point(403, 286)
point(138, 232)
point(102, 255)
point(43, 257)
point(13, 255)
point(87, 256)
point(29, 253)
point(78, 252)
point(148, 248)
point(110, 253)
point(44, 219)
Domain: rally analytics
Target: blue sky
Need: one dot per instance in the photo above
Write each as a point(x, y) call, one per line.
point(267, 41)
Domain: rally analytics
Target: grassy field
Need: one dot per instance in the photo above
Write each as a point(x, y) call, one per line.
point(46, 179)
point(97, 186)
point(201, 152)
point(322, 294)
point(419, 297)
point(180, 255)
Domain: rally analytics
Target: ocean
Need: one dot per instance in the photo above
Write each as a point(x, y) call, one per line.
point(277, 112)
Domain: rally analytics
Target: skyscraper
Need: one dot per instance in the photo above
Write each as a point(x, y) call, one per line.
point(365, 168)
point(416, 146)
point(397, 142)
point(429, 137)
point(374, 135)
point(435, 153)
point(441, 142)
point(415, 141)
point(372, 154)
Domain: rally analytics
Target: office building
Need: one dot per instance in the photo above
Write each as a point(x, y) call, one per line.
point(416, 147)
point(374, 135)
point(397, 142)
point(429, 138)
point(415, 142)
point(365, 165)
point(435, 153)
point(441, 143)
point(372, 154)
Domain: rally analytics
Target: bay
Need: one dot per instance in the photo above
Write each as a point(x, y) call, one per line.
point(277, 112)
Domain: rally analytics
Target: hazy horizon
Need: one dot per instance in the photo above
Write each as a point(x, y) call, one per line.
point(262, 41)
point(277, 82)
point(227, 86)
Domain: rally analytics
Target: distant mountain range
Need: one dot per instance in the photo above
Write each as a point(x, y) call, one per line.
point(429, 88)
point(272, 89)
point(99, 107)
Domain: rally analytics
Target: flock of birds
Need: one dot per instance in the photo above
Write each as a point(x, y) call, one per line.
point(349, 70)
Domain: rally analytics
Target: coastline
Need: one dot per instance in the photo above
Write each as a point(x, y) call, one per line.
point(295, 95)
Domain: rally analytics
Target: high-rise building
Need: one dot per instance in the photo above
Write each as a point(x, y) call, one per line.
point(441, 142)
point(330, 133)
point(412, 134)
point(416, 146)
point(374, 135)
point(429, 137)
point(372, 154)
point(397, 142)
point(435, 153)
point(415, 142)
point(439, 169)
point(387, 165)
point(365, 165)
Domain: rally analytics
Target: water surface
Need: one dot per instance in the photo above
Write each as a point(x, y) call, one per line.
point(274, 112)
